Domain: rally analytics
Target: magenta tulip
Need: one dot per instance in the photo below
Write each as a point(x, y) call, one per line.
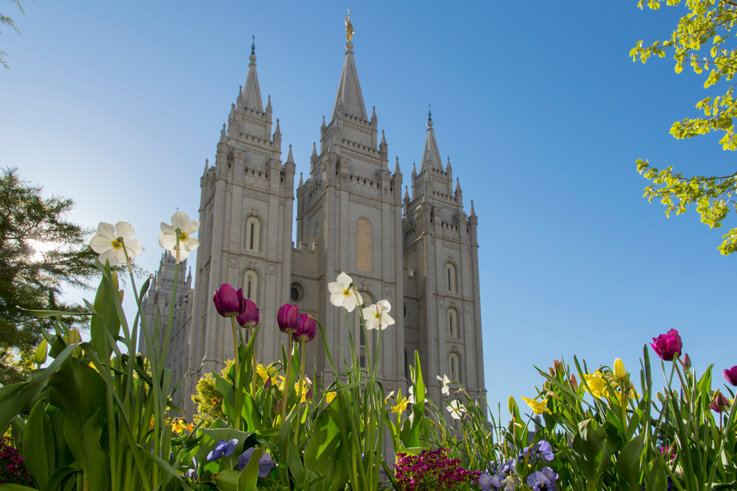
point(668, 345)
point(307, 329)
point(229, 302)
point(731, 375)
point(249, 317)
point(719, 403)
point(288, 318)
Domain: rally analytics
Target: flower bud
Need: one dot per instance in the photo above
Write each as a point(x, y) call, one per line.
point(619, 370)
point(686, 361)
point(249, 317)
point(511, 405)
point(39, 355)
point(574, 382)
point(288, 318)
point(307, 329)
point(719, 403)
point(229, 302)
point(730, 375)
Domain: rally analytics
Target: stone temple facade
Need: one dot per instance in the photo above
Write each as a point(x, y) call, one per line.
point(419, 251)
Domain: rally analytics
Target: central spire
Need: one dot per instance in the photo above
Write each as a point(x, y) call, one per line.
point(349, 101)
point(252, 91)
point(430, 154)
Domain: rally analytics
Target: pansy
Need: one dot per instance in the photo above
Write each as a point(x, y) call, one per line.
point(446, 384)
point(343, 293)
point(456, 409)
point(377, 315)
point(265, 462)
point(176, 238)
point(109, 240)
point(543, 479)
point(223, 447)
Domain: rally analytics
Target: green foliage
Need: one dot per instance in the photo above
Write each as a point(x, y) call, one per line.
point(8, 21)
point(208, 399)
point(704, 39)
point(31, 280)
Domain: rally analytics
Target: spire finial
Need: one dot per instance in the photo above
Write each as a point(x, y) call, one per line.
point(349, 32)
point(252, 58)
point(429, 116)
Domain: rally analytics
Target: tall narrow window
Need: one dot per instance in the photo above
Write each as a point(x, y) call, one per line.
point(363, 244)
point(362, 344)
point(250, 285)
point(253, 234)
point(452, 324)
point(450, 277)
point(455, 367)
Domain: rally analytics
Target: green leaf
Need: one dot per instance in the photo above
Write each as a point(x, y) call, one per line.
point(628, 461)
point(249, 475)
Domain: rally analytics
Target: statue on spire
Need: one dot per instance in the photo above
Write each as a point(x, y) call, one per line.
point(349, 32)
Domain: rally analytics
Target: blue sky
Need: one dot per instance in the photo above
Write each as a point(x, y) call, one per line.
point(538, 106)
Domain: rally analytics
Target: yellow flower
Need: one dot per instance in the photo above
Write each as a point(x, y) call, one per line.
point(619, 370)
point(537, 407)
point(329, 396)
point(190, 427)
point(214, 400)
point(266, 373)
point(401, 405)
point(302, 388)
point(178, 425)
point(596, 384)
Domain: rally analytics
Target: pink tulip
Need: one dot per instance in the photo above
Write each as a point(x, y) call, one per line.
point(249, 317)
point(668, 345)
point(229, 302)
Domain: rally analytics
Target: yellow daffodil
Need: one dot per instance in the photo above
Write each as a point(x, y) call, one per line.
point(401, 405)
point(619, 370)
point(266, 373)
point(178, 425)
point(329, 396)
point(538, 407)
point(596, 384)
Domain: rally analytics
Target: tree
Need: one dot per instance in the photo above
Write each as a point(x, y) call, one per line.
point(8, 21)
point(705, 40)
point(39, 252)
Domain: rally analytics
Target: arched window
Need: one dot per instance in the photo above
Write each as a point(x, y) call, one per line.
point(452, 324)
point(250, 285)
point(253, 234)
point(454, 360)
point(363, 244)
point(450, 278)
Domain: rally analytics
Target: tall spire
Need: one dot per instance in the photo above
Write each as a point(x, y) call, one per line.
point(349, 100)
point(252, 92)
point(430, 154)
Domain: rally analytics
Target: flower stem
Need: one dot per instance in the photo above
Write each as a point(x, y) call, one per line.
point(286, 381)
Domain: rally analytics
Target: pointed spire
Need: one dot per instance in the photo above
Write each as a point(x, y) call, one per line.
point(383, 138)
point(396, 167)
point(350, 98)
point(458, 186)
point(447, 167)
point(323, 123)
point(277, 131)
point(430, 154)
point(252, 92)
point(373, 115)
point(314, 150)
point(290, 157)
point(207, 164)
point(473, 212)
point(268, 103)
point(406, 193)
point(414, 170)
point(222, 133)
point(301, 181)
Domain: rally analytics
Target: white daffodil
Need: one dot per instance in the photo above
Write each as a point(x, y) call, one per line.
point(456, 409)
point(343, 293)
point(176, 238)
point(108, 242)
point(446, 384)
point(377, 315)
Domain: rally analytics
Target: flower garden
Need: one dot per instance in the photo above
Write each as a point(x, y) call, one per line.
point(97, 415)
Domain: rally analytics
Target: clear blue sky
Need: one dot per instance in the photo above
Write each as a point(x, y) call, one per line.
point(537, 104)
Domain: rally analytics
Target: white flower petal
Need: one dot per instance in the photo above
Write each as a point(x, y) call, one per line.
point(120, 256)
point(180, 220)
point(183, 254)
point(335, 287)
point(349, 303)
point(110, 255)
point(168, 229)
point(167, 241)
point(133, 246)
point(384, 305)
point(101, 243)
point(344, 279)
point(125, 230)
point(107, 230)
point(337, 299)
point(189, 244)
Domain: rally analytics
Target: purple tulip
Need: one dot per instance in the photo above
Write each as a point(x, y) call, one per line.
point(229, 302)
point(249, 317)
point(731, 375)
point(288, 318)
point(719, 403)
point(668, 345)
point(307, 329)
point(265, 463)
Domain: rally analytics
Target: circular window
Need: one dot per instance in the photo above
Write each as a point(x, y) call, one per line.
point(296, 293)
